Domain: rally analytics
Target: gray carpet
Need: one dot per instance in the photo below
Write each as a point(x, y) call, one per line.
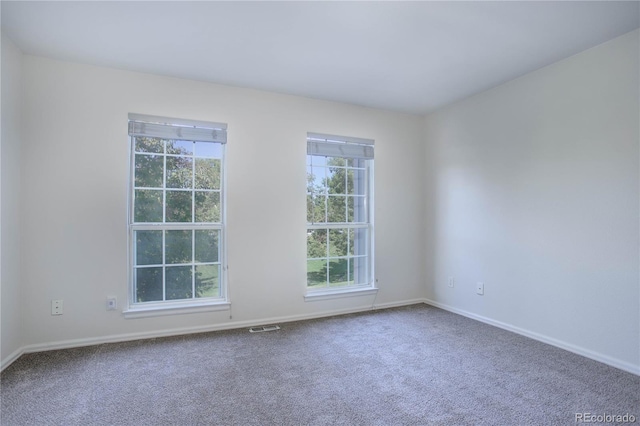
point(415, 365)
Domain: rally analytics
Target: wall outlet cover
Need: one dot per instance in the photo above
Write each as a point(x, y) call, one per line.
point(56, 307)
point(112, 303)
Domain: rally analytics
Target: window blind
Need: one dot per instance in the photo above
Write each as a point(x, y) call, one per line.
point(176, 129)
point(339, 146)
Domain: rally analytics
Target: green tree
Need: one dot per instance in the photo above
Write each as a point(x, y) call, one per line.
point(188, 181)
point(329, 201)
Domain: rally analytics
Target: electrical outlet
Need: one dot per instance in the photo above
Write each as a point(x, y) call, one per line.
point(112, 303)
point(480, 288)
point(56, 307)
point(451, 282)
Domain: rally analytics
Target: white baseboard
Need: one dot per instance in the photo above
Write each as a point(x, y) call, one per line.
point(65, 344)
point(605, 359)
point(398, 304)
point(76, 343)
point(12, 357)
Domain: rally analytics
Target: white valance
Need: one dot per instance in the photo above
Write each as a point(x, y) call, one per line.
point(176, 129)
point(339, 146)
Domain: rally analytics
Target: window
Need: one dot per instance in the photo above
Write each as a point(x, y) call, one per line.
point(176, 212)
point(339, 219)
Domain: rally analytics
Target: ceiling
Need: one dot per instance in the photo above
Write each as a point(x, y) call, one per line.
point(404, 56)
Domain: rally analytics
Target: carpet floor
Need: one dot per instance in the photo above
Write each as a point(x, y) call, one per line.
point(415, 365)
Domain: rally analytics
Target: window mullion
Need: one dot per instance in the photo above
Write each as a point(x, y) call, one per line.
point(164, 181)
point(326, 219)
point(349, 231)
point(337, 225)
point(366, 192)
point(193, 185)
point(193, 263)
point(193, 220)
point(164, 266)
point(326, 206)
point(327, 259)
point(346, 193)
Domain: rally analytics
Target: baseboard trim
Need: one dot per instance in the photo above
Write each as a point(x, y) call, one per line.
point(73, 343)
point(587, 353)
point(76, 343)
point(398, 304)
point(11, 358)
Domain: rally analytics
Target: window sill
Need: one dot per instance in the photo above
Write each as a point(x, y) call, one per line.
point(313, 296)
point(162, 310)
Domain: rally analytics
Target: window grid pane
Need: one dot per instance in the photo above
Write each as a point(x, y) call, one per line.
point(338, 229)
point(181, 175)
point(176, 186)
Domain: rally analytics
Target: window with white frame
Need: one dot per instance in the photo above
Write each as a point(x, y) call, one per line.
point(176, 218)
point(339, 212)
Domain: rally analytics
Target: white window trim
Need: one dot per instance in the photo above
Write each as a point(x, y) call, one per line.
point(183, 306)
point(370, 288)
point(174, 308)
point(317, 295)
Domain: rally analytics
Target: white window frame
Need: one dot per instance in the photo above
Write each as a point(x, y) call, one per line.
point(349, 148)
point(185, 130)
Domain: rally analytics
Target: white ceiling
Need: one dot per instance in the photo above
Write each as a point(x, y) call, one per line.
point(404, 56)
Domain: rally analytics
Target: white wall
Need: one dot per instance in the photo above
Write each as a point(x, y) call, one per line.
point(533, 188)
point(75, 170)
point(11, 339)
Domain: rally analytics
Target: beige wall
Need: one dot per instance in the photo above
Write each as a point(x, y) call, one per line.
point(75, 171)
